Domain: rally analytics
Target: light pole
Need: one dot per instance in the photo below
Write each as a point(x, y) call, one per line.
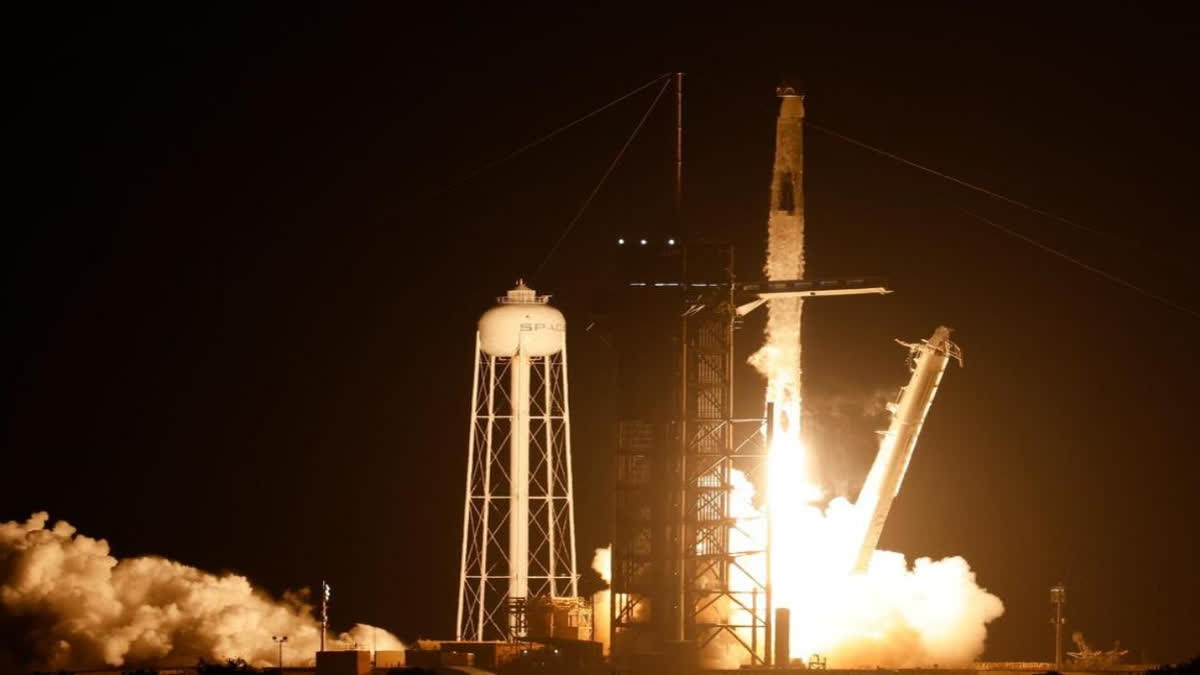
point(280, 639)
point(1058, 598)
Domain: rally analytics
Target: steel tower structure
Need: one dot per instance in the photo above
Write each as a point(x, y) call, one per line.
point(518, 513)
point(685, 572)
point(646, 502)
point(724, 590)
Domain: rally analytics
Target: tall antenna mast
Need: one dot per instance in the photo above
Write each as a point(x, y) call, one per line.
point(325, 593)
point(679, 150)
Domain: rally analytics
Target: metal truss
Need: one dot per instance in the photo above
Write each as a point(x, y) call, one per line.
point(684, 567)
point(641, 595)
point(725, 590)
point(487, 607)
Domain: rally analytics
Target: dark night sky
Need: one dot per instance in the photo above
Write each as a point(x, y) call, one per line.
point(239, 328)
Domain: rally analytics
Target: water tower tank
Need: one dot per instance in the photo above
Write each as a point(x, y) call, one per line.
point(518, 471)
point(522, 320)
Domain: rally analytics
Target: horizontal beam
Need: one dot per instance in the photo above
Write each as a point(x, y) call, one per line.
point(867, 290)
point(762, 296)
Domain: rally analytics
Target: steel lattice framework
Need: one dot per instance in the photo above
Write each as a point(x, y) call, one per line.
point(642, 602)
point(725, 587)
point(511, 395)
point(683, 567)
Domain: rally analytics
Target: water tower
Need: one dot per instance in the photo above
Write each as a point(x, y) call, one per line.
point(518, 515)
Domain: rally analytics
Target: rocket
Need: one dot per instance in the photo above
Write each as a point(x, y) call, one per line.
point(787, 180)
point(927, 360)
point(785, 261)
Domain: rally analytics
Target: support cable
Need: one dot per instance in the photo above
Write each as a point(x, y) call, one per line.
point(1014, 202)
point(808, 123)
point(596, 190)
point(958, 181)
point(542, 139)
point(1095, 270)
point(1013, 233)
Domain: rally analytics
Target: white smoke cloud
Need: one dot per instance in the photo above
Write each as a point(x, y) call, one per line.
point(65, 602)
point(780, 354)
point(895, 615)
point(602, 599)
point(602, 563)
point(930, 613)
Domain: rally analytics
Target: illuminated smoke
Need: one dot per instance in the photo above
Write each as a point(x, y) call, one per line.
point(779, 358)
point(65, 602)
point(602, 563)
point(893, 615)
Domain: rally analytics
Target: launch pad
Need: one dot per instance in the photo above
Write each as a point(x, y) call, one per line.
point(699, 490)
point(675, 548)
point(700, 493)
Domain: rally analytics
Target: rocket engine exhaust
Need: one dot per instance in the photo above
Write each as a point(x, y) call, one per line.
point(891, 614)
point(779, 358)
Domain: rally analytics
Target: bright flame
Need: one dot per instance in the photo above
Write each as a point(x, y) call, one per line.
point(893, 615)
point(800, 527)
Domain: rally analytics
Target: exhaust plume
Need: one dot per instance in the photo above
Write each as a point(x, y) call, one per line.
point(893, 615)
point(888, 615)
point(66, 602)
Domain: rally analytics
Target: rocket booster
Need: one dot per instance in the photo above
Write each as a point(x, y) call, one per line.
point(780, 357)
point(927, 360)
